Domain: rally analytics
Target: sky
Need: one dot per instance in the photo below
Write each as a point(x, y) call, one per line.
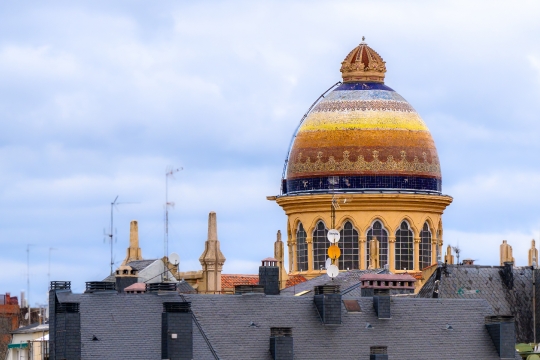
point(99, 98)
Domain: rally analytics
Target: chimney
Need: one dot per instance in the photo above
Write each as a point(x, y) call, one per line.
point(64, 324)
point(281, 343)
point(468, 262)
point(327, 300)
point(378, 353)
point(269, 276)
point(161, 287)
point(381, 303)
point(507, 275)
point(248, 289)
point(133, 251)
point(99, 287)
point(396, 283)
point(506, 253)
point(177, 331)
point(125, 276)
point(533, 254)
point(501, 329)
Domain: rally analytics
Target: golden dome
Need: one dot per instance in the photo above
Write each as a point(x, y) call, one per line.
point(363, 64)
point(363, 136)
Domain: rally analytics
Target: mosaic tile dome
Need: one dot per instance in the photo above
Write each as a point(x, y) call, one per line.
point(363, 136)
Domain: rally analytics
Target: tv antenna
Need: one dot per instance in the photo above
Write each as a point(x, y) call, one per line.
point(111, 235)
point(168, 173)
point(28, 280)
point(457, 250)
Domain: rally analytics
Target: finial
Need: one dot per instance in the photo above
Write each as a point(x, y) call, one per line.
point(363, 38)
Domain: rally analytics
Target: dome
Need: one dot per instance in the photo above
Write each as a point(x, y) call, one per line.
point(363, 136)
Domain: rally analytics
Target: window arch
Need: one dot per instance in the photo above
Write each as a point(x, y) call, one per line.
point(404, 247)
point(348, 244)
point(301, 249)
point(319, 246)
point(425, 246)
point(377, 230)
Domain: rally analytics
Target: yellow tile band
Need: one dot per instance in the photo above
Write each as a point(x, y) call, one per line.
point(390, 120)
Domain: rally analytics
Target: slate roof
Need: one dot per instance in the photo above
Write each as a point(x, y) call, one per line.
point(346, 280)
point(238, 327)
point(227, 324)
point(486, 282)
point(183, 287)
point(135, 264)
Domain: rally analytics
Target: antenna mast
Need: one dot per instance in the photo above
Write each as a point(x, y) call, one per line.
point(112, 230)
point(111, 233)
point(169, 172)
point(28, 280)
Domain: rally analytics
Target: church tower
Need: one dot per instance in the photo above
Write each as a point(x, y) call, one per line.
point(363, 162)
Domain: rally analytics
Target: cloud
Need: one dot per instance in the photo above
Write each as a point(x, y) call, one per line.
point(97, 99)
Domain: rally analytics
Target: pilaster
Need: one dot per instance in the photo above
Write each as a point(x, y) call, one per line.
point(433, 251)
point(392, 252)
point(416, 253)
point(309, 241)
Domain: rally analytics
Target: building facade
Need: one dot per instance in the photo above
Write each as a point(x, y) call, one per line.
point(364, 163)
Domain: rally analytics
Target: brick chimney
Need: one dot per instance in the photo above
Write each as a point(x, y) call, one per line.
point(177, 331)
point(125, 276)
point(501, 329)
point(396, 283)
point(327, 300)
point(269, 276)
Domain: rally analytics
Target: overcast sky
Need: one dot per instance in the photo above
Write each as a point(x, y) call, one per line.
point(98, 98)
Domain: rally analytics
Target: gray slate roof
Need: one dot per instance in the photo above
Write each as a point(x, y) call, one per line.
point(485, 282)
point(129, 327)
point(346, 280)
point(183, 287)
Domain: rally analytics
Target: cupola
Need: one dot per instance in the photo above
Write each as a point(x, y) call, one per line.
point(363, 64)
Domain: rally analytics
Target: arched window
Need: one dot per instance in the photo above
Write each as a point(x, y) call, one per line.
point(319, 246)
point(348, 244)
point(425, 247)
point(377, 230)
point(301, 249)
point(404, 247)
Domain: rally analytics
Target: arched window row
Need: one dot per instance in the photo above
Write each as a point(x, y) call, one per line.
point(349, 259)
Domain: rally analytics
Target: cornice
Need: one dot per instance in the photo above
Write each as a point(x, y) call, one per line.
point(364, 202)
